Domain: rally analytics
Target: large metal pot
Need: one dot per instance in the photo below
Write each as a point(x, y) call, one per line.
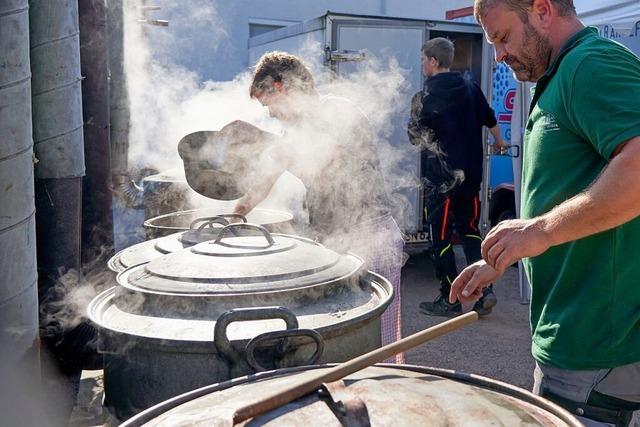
point(168, 193)
point(381, 395)
point(215, 311)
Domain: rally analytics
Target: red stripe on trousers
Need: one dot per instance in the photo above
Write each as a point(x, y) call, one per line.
point(444, 218)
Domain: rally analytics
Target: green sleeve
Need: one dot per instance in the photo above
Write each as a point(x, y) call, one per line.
point(604, 105)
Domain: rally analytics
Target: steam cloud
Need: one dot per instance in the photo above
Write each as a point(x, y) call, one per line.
point(168, 101)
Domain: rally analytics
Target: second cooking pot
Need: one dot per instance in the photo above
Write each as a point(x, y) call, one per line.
point(163, 225)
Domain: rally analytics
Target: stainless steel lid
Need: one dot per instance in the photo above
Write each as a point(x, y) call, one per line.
point(378, 395)
point(244, 264)
point(200, 230)
point(144, 252)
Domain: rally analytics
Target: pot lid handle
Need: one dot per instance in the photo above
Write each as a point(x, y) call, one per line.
point(218, 219)
point(248, 226)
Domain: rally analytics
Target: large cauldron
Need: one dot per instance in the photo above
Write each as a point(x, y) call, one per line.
point(197, 230)
point(382, 395)
point(216, 311)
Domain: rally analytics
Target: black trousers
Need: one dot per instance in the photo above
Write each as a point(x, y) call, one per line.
point(443, 212)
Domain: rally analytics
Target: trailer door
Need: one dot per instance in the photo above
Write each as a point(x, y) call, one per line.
point(386, 40)
point(401, 40)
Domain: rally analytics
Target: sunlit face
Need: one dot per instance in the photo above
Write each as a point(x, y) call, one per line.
point(518, 44)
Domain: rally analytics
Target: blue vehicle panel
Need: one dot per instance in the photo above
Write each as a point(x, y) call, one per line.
point(502, 99)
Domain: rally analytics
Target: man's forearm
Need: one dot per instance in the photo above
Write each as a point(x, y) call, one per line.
point(495, 131)
point(613, 199)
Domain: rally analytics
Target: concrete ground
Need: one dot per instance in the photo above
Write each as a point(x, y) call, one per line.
point(497, 346)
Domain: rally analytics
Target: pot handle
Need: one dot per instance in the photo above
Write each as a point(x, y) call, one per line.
point(218, 219)
point(312, 333)
point(247, 226)
point(220, 338)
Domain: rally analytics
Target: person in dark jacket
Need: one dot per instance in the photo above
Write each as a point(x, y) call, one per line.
point(447, 120)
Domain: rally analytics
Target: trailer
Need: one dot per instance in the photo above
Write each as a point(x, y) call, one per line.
point(347, 40)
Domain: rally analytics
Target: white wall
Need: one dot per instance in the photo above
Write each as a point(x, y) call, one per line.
point(210, 36)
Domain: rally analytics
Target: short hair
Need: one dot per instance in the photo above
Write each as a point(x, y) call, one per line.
point(520, 7)
point(284, 68)
point(441, 49)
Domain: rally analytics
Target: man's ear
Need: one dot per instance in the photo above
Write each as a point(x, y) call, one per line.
point(542, 12)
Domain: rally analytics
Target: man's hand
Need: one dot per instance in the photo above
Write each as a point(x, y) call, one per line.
point(500, 148)
point(512, 240)
point(467, 287)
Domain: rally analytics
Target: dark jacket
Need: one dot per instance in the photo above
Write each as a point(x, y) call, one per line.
point(452, 113)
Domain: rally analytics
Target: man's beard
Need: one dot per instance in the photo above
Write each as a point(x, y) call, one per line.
point(534, 58)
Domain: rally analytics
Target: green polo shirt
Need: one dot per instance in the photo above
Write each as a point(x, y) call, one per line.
point(585, 303)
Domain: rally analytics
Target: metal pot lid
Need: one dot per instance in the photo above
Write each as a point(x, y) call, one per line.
point(423, 396)
point(143, 252)
point(245, 264)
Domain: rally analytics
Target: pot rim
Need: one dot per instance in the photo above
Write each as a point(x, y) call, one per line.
point(98, 305)
point(148, 223)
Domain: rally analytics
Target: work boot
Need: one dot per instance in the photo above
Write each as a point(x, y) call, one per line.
point(441, 307)
point(486, 303)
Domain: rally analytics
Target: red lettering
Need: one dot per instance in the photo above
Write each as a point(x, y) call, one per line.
point(509, 99)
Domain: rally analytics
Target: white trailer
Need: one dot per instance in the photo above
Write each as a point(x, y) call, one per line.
point(348, 39)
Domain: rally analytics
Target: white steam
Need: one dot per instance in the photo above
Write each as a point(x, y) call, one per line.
point(169, 101)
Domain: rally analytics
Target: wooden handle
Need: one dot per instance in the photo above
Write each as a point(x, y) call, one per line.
point(298, 390)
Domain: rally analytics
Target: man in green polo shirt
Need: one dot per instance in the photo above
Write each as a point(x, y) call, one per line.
point(579, 235)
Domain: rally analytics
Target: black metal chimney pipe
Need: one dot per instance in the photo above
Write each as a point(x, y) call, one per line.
point(97, 215)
